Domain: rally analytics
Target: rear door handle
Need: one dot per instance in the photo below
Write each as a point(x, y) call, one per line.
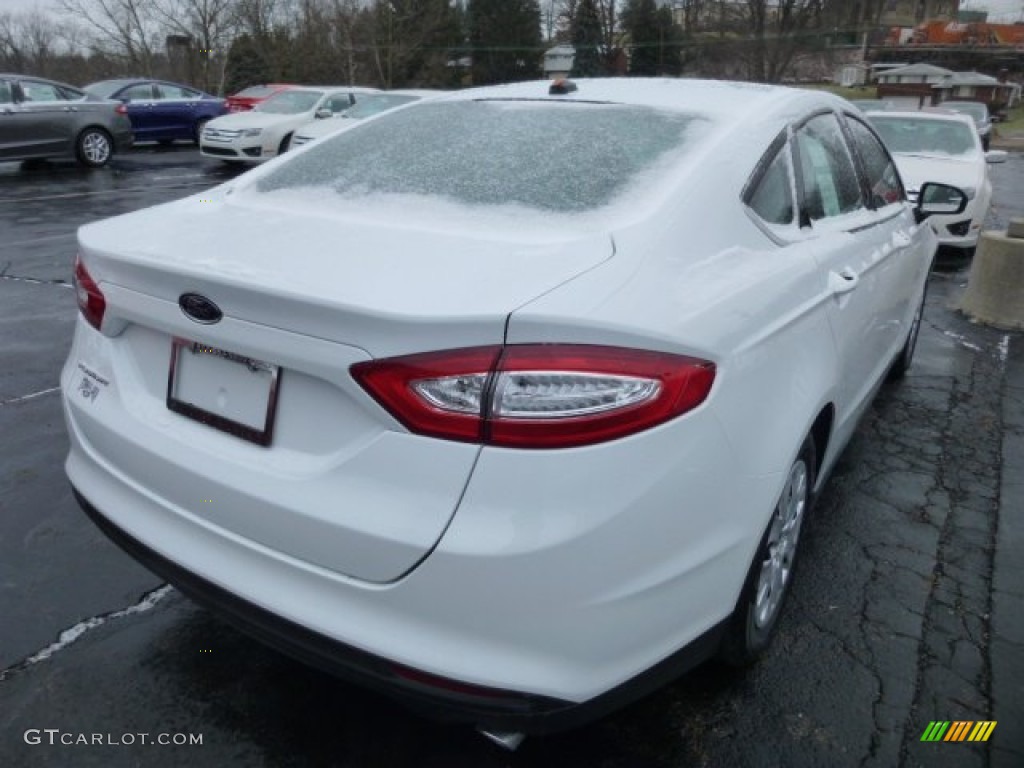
point(843, 281)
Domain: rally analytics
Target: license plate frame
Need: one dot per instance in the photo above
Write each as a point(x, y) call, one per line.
point(260, 434)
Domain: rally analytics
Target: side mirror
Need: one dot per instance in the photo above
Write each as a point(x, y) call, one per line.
point(996, 156)
point(323, 113)
point(938, 199)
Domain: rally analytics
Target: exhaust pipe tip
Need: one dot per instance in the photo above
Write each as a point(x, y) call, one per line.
point(507, 740)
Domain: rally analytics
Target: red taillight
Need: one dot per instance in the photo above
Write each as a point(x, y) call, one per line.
point(536, 395)
point(90, 299)
point(121, 109)
point(392, 382)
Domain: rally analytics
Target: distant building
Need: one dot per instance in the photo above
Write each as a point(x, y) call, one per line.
point(974, 86)
point(925, 85)
point(558, 61)
point(911, 86)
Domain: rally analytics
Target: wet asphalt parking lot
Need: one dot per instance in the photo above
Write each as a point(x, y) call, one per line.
point(903, 610)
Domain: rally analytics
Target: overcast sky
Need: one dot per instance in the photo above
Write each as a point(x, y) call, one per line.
point(1000, 10)
point(21, 5)
point(1005, 10)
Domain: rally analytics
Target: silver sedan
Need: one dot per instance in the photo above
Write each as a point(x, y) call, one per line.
point(43, 119)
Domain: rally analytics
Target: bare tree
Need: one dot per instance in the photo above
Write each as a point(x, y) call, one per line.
point(209, 26)
point(123, 29)
point(759, 39)
point(34, 42)
point(344, 22)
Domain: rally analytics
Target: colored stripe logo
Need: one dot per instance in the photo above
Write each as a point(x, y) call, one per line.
point(958, 730)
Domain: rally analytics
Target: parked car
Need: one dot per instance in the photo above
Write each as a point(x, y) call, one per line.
point(368, 106)
point(978, 112)
point(266, 130)
point(934, 146)
point(46, 119)
point(511, 404)
point(247, 98)
point(162, 111)
point(871, 105)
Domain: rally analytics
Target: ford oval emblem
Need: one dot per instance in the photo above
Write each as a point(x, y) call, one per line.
point(199, 308)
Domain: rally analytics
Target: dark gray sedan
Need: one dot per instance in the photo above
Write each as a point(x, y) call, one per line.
point(42, 118)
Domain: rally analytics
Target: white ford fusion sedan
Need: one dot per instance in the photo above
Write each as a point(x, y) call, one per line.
point(510, 403)
point(943, 147)
point(266, 130)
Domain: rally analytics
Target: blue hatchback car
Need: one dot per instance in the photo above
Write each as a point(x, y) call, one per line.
point(159, 110)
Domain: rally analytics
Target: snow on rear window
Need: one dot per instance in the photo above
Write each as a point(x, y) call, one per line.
point(564, 157)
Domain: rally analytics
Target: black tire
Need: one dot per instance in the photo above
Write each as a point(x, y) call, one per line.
point(905, 358)
point(750, 628)
point(94, 147)
point(286, 142)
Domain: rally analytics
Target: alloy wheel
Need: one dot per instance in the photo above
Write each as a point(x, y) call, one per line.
point(783, 537)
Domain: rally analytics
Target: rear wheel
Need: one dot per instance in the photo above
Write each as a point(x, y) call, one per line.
point(753, 622)
point(94, 147)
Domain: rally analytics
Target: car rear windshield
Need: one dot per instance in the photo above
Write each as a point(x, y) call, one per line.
point(107, 88)
point(977, 110)
point(560, 157)
point(377, 103)
point(925, 136)
point(256, 92)
point(290, 102)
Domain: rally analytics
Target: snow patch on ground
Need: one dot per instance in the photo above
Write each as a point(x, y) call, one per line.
point(71, 635)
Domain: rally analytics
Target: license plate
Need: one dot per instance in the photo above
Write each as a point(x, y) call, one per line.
point(224, 390)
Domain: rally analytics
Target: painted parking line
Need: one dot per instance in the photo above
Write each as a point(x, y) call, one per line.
point(35, 280)
point(32, 396)
point(36, 240)
point(182, 176)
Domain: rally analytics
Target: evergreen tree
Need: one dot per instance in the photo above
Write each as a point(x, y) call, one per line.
point(640, 21)
point(505, 37)
point(246, 65)
point(586, 34)
point(670, 44)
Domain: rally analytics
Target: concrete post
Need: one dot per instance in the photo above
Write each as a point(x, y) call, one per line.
point(995, 288)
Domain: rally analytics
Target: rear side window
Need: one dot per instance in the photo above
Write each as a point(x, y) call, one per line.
point(338, 102)
point(828, 179)
point(771, 197)
point(165, 91)
point(5, 92)
point(882, 177)
point(142, 92)
point(36, 91)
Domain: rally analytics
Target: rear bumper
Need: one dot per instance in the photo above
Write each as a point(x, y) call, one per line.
point(123, 137)
point(430, 696)
point(564, 586)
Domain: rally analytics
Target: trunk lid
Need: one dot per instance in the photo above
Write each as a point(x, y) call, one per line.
point(342, 486)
